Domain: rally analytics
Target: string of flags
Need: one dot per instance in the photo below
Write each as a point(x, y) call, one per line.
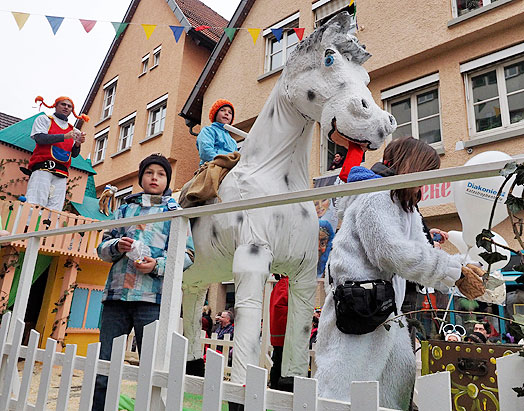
point(56, 21)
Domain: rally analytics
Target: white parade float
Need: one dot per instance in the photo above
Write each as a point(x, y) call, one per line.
point(323, 81)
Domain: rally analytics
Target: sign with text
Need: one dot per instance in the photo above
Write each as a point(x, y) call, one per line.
point(436, 194)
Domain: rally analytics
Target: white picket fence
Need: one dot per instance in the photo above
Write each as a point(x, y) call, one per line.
point(161, 379)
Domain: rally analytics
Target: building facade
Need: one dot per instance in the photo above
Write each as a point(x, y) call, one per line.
point(136, 97)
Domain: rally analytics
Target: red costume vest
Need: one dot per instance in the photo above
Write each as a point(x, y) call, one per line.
point(59, 153)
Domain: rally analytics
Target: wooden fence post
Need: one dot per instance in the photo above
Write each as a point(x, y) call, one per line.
point(214, 376)
point(434, 392)
point(510, 374)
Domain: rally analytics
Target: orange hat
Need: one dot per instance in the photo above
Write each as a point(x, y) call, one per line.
point(40, 99)
point(217, 105)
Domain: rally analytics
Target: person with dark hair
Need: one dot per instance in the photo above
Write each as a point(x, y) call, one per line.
point(338, 161)
point(381, 235)
point(207, 322)
point(484, 328)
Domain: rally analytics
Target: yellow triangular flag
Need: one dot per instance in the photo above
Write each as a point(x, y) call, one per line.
point(20, 18)
point(149, 29)
point(254, 34)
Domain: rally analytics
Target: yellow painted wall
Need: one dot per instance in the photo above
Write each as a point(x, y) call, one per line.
point(92, 272)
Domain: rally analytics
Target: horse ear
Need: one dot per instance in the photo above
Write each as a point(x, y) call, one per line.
point(337, 33)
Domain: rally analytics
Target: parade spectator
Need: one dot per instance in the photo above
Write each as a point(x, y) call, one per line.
point(57, 142)
point(338, 161)
point(133, 290)
point(207, 322)
point(484, 328)
point(226, 325)
point(214, 139)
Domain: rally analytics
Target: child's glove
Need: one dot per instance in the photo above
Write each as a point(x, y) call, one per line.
point(470, 282)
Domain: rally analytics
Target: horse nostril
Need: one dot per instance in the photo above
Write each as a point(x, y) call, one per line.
point(365, 104)
point(392, 119)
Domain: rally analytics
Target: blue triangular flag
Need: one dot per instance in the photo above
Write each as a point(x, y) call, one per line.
point(277, 33)
point(55, 22)
point(177, 31)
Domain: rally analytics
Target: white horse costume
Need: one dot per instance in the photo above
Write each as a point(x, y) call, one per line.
point(323, 81)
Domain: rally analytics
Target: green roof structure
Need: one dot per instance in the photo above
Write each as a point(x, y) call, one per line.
point(19, 136)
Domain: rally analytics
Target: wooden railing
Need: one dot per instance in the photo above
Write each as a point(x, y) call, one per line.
point(20, 218)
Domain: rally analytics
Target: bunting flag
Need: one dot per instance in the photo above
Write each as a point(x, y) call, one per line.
point(55, 22)
point(277, 33)
point(200, 28)
point(254, 34)
point(177, 31)
point(352, 7)
point(299, 32)
point(230, 32)
point(148, 29)
point(87, 24)
point(20, 18)
point(119, 27)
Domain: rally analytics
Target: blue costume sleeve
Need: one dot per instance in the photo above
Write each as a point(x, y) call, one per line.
point(206, 144)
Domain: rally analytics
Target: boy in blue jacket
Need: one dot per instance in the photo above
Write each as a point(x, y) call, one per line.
point(214, 139)
point(133, 289)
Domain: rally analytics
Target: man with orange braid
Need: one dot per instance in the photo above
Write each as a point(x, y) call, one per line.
point(57, 142)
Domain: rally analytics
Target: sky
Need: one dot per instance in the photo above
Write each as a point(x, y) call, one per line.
point(34, 62)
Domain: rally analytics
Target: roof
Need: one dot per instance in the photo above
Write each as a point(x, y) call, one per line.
point(192, 109)
point(199, 14)
point(18, 135)
point(190, 14)
point(6, 120)
point(89, 208)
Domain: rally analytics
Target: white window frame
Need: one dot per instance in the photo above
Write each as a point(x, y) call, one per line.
point(413, 89)
point(121, 194)
point(100, 137)
point(323, 9)
point(454, 7)
point(498, 67)
point(128, 121)
point(269, 38)
point(156, 57)
point(159, 103)
point(109, 98)
point(145, 64)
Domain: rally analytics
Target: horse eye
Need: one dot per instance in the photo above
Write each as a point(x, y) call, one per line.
point(329, 60)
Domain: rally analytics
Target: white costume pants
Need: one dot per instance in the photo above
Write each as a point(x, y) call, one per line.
point(46, 189)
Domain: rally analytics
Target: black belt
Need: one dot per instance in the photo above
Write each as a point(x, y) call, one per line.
point(49, 165)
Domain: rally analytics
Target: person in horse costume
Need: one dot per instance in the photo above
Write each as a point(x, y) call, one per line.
point(381, 235)
point(323, 81)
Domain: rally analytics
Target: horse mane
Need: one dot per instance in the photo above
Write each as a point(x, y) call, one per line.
point(347, 44)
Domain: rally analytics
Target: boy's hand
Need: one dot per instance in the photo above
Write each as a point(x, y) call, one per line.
point(146, 266)
point(124, 244)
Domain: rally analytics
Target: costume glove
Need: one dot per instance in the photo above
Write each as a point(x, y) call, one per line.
point(470, 282)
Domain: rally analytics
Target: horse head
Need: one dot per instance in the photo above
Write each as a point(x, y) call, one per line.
point(325, 81)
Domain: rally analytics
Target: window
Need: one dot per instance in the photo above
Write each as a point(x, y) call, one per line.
point(85, 308)
point(326, 9)
point(100, 145)
point(416, 107)
point(145, 64)
point(461, 7)
point(277, 52)
point(109, 98)
point(156, 56)
point(127, 130)
point(495, 97)
point(157, 116)
point(121, 194)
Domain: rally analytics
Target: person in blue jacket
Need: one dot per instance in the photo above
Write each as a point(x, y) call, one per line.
point(214, 139)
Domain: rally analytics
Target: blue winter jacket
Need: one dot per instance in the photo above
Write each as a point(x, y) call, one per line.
point(214, 140)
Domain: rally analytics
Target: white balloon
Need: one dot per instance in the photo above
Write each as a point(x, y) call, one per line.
point(474, 198)
point(455, 238)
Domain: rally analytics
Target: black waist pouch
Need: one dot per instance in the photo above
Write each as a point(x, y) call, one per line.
point(361, 306)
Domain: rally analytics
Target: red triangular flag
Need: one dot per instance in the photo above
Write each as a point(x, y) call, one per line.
point(299, 32)
point(200, 28)
point(87, 24)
